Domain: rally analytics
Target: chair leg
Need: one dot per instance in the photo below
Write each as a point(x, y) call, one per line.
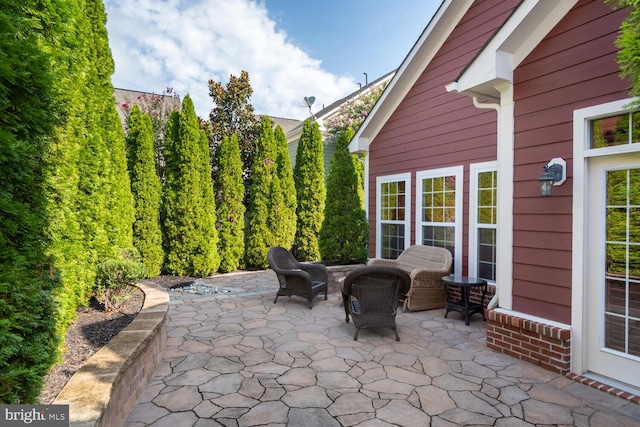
point(355, 337)
point(275, 300)
point(397, 336)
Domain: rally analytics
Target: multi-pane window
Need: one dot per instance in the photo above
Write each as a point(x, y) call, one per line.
point(439, 210)
point(393, 213)
point(621, 129)
point(622, 263)
point(483, 209)
point(486, 224)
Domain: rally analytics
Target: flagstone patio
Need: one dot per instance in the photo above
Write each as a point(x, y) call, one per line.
point(234, 358)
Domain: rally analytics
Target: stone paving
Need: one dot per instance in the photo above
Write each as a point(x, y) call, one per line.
point(234, 358)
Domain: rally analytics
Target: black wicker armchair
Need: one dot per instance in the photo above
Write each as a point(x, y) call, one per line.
point(370, 295)
point(295, 278)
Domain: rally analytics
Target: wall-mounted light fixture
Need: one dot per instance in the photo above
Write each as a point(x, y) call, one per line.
point(555, 173)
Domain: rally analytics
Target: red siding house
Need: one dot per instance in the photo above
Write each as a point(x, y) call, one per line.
point(491, 93)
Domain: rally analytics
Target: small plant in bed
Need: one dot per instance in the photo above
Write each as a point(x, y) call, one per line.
point(116, 277)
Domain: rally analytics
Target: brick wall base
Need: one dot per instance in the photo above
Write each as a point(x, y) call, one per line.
point(535, 342)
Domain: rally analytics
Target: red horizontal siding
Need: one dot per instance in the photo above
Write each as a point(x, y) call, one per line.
point(573, 67)
point(432, 128)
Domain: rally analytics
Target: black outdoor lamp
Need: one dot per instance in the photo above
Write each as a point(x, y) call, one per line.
point(554, 174)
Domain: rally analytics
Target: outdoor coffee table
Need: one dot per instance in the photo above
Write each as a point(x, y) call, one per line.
point(463, 305)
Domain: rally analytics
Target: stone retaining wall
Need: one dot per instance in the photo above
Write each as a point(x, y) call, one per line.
point(108, 386)
point(338, 272)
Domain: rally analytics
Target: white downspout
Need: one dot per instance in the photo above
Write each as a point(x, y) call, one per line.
point(485, 106)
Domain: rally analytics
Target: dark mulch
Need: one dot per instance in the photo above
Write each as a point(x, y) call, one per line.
point(92, 329)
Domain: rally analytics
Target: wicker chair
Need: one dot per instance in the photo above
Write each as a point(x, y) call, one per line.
point(426, 265)
point(370, 295)
point(295, 278)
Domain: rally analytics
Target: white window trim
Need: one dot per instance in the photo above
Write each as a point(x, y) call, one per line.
point(474, 170)
point(581, 153)
point(458, 172)
point(406, 177)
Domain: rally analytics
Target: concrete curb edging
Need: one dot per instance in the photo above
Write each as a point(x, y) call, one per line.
point(107, 387)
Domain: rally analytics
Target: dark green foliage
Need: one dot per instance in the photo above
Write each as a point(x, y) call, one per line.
point(310, 192)
point(229, 193)
point(29, 110)
point(189, 211)
point(283, 195)
point(233, 114)
point(146, 189)
point(345, 232)
point(259, 233)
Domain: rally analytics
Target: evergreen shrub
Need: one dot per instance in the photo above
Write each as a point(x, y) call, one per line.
point(345, 232)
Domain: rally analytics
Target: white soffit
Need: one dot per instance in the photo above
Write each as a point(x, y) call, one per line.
point(520, 34)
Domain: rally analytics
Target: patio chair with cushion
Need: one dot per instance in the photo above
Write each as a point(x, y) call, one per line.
point(370, 295)
point(426, 265)
point(302, 279)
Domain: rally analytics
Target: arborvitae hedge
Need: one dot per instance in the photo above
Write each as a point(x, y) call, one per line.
point(189, 211)
point(259, 233)
point(310, 191)
point(229, 193)
point(29, 109)
point(284, 226)
point(345, 232)
point(146, 189)
point(57, 183)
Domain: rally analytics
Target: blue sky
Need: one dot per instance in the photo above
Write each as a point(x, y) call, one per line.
point(291, 49)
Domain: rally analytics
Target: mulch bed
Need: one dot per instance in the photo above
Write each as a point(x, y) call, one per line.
point(92, 329)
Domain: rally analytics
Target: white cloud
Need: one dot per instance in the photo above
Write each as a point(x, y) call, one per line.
point(183, 44)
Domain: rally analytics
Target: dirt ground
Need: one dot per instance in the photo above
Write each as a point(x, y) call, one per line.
point(92, 329)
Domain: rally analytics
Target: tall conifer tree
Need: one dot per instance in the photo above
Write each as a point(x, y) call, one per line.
point(229, 193)
point(189, 215)
point(146, 189)
point(30, 110)
point(259, 233)
point(285, 227)
point(310, 192)
point(345, 232)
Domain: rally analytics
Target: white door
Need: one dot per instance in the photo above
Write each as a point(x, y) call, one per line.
point(612, 312)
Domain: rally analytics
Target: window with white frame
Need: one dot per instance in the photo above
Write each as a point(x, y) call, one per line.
point(483, 192)
point(393, 213)
point(439, 211)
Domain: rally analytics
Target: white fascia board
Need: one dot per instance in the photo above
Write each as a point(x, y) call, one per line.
point(359, 145)
point(520, 34)
point(435, 34)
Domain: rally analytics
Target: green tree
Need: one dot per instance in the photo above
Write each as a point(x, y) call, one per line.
point(105, 202)
point(233, 114)
point(229, 193)
point(146, 189)
point(345, 232)
point(628, 43)
point(283, 195)
point(189, 216)
point(29, 111)
point(310, 192)
point(259, 233)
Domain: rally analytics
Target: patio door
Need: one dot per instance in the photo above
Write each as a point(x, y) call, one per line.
point(613, 273)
